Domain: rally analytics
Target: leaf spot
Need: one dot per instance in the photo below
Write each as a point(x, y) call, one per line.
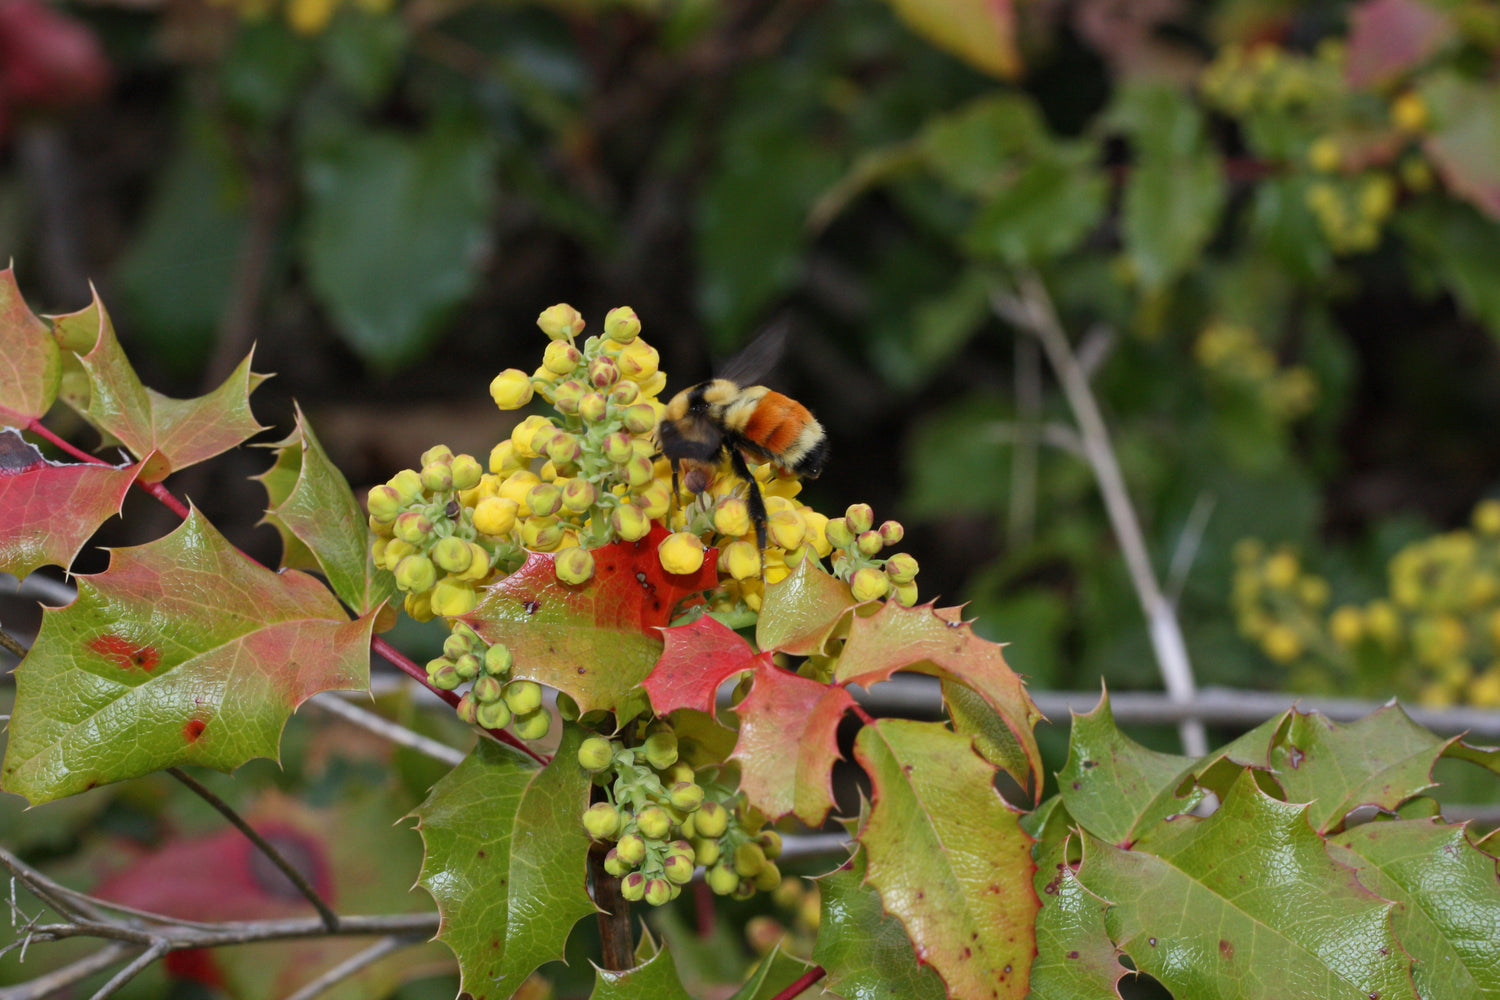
point(1226, 949)
point(533, 606)
point(1151, 942)
point(125, 654)
point(1072, 954)
point(193, 729)
point(1295, 758)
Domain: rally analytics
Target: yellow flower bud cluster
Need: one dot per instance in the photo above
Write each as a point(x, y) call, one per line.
point(664, 819)
point(1269, 80)
point(306, 17)
point(857, 542)
point(1241, 364)
point(1434, 636)
point(1352, 211)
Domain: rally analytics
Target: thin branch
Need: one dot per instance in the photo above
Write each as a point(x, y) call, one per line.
point(378, 724)
point(179, 936)
point(801, 983)
point(1021, 527)
point(616, 941)
point(159, 948)
point(330, 919)
point(1188, 544)
point(11, 644)
point(354, 964)
point(1033, 311)
point(58, 980)
point(1053, 435)
point(48, 891)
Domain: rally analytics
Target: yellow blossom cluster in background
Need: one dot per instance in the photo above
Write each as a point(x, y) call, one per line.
point(306, 17)
point(1236, 357)
point(1434, 636)
point(1352, 151)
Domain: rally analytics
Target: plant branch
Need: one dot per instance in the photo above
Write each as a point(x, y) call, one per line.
point(373, 722)
point(74, 972)
point(330, 919)
point(158, 948)
point(1032, 310)
point(801, 983)
point(355, 963)
point(617, 942)
point(157, 490)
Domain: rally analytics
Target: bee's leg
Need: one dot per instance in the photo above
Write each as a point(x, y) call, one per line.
point(755, 502)
point(675, 490)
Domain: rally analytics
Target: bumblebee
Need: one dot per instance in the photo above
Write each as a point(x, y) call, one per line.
point(725, 419)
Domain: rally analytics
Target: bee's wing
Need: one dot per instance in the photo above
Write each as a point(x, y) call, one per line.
point(759, 356)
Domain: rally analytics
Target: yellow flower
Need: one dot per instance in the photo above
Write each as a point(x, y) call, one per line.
point(511, 389)
point(740, 560)
point(453, 597)
point(560, 322)
point(1281, 643)
point(1409, 112)
point(681, 552)
point(732, 517)
point(1346, 625)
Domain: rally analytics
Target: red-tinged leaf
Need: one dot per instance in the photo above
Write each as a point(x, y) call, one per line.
point(789, 743)
point(52, 508)
point(798, 615)
point(1387, 38)
point(934, 641)
point(1464, 137)
point(695, 660)
point(596, 641)
point(171, 433)
point(322, 526)
point(30, 363)
point(980, 32)
point(949, 857)
point(184, 651)
point(221, 876)
point(505, 861)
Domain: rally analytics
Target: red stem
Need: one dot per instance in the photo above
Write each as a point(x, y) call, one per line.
point(803, 982)
point(157, 490)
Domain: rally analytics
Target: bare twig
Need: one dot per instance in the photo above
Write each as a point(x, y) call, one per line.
point(354, 964)
point(1187, 546)
point(333, 704)
point(330, 919)
point(1032, 310)
point(1023, 456)
point(74, 972)
point(158, 948)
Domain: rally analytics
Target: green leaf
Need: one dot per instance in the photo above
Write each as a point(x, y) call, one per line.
point(1043, 214)
point(183, 652)
point(654, 979)
point(948, 856)
point(321, 524)
point(52, 508)
point(976, 147)
point(801, 612)
point(170, 434)
point(506, 859)
point(395, 233)
point(865, 950)
point(1447, 901)
point(1464, 136)
point(771, 976)
point(1117, 789)
point(1463, 247)
point(30, 364)
point(1075, 958)
point(1247, 904)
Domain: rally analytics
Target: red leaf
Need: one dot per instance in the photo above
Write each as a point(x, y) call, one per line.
point(1389, 37)
point(47, 59)
point(788, 743)
point(52, 509)
point(695, 660)
point(597, 641)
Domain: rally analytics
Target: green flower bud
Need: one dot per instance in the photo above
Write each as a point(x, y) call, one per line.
point(770, 842)
point(413, 527)
point(633, 887)
point(497, 660)
point(465, 708)
point(660, 749)
point(678, 869)
point(560, 322)
point(711, 819)
point(593, 407)
point(544, 499)
point(456, 645)
point(407, 484)
point(768, 878)
point(624, 393)
point(686, 796)
point(722, 879)
point(495, 715)
point(602, 821)
point(706, 852)
point(466, 472)
point(654, 823)
point(622, 325)
point(613, 865)
point(603, 372)
point(860, 517)
point(384, 503)
point(901, 568)
point(563, 448)
point(523, 697)
point(658, 892)
point(595, 754)
point(578, 494)
point(632, 849)
point(415, 574)
point(749, 858)
point(639, 418)
point(445, 677)
point(574, 565)
point(437, 477)
point(838, 533)
point(891, 532)
point(487, 689)
point(452, 554)
point(533, 726)
point(630, 522)
point(869, 542)
point(467, 665)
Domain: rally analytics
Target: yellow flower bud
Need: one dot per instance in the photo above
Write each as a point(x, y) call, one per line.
point(1346, 625)
point(419, 606)
point(638, 361)
point(869, 584)
point(453, 597)
point(1281, 570)
point(1409, 113)
point(543, 534)
point(574, 565)
point(560, 322)
point(816, 532)
point(1281, 643)
point(479, 563)
point(656, 498)
point(1487, 518)
point(503, 458)
point(785, 529)
point(511, 389)
point(495, 516)
point(622, 325)
point(732, 517)
point(740, 560)
point(1324, 155)
point(681, 552)
point(516, 487)
point(524, 433)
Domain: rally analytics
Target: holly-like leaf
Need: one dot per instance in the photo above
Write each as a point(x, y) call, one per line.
point(321, 524)
point(866, 950)
point(788, 743)
point(771, 977)
point(1247, 904)
point(934, 641)
point(1075, 958)
point(30, 363)
point(1387, 38)
point(949, 857)
point(506, 859)
point(1464, 137)
point(654, 979)
point(596, 641)
point(799, 613)
point(52, 508)
point(980, 32)
point(170, 434)
point(1447, 900)
point(696, 659)
point(1114, 787)
point(184, 651)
